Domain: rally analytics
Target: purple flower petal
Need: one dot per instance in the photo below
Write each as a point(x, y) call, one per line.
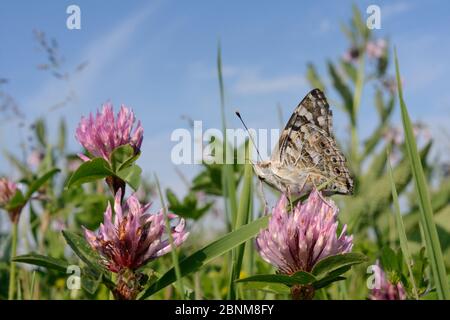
point(135, 237)
point(296, 241)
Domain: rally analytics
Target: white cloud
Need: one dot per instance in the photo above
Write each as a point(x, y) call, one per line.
point(325, 26)
point(101, 54)
point(256, 83)
point(249, 80)
point(392, 9)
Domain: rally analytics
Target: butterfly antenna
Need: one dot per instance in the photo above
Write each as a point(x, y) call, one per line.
point(248, 132)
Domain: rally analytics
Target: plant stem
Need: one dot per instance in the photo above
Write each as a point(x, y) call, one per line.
point(433, 246)
point(359, 84)
point(173, 250)
point(401, 231)
point(228, 179)
point(114, 280)
point(241, 219)
point(12, 267)
point(33, 281)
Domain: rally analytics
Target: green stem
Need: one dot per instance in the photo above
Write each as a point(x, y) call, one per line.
point(359, 84)
point(12, 267)
point(354, 154)
point(173, 250)
point(114, 280)
point(401, 231)
point(241, 219)
point(433, 246)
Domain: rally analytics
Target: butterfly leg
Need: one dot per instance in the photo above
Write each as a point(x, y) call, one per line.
point(263, 195)
point(288, 189)
point(304, 183)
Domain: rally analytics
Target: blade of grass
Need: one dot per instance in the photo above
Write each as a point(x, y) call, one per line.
point(12, 267)
point(173, 250)
point(401, 230)
point(433, 246)
point(208, 253)
point(359, 85)
point(242, 218)
point(33, 282)
point(228, 180)
point(19, 290)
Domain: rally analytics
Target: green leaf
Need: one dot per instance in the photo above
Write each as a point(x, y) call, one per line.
point(268, 287)
point(205, 255)
point(122, 157)
point(24, 169)
point(336, 262)
point(376, 196)
point(313, 77)
point(39, 182)
point(297, 278)
point(401, 232)
point(173, 200)
point(189, 207)
point(389, 260)
point(83, 251)
point(374, 139)
point(17, 201)
point(41, 132)
point(228, 180)
point(350, 70)
point(349, 33)
point(343, 90)
point(43, 261)
point(90, 284)
point(243, 214)
point(359, 23)
point(327, 281)
point(173, 249)
point(89, 171)
point(34, 221)
point(62, 136)
point(131, 175)
point(331, 277)
point(431, 239)
point(89, 280)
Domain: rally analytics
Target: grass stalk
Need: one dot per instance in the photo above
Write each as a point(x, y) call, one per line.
point(228, 180)
point(242, 218)
point(359, 85)
point(401, 231)
point(431, 238)
point(173, 250)
point(12, 266)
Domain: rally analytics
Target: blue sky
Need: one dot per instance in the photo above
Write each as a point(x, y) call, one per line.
point(159, 57)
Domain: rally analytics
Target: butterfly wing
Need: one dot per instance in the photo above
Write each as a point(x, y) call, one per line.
point(313, 109)
point(307, 144)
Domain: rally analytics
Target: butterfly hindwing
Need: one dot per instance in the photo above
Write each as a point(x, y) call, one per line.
point(307, 145)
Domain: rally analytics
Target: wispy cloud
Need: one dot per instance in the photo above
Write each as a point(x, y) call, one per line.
point(325, 25)
point(101, 53)
point(250, 80)
point(257, 83)
point(395, 8)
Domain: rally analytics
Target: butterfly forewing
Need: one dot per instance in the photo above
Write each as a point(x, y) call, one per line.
point(307, 154)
